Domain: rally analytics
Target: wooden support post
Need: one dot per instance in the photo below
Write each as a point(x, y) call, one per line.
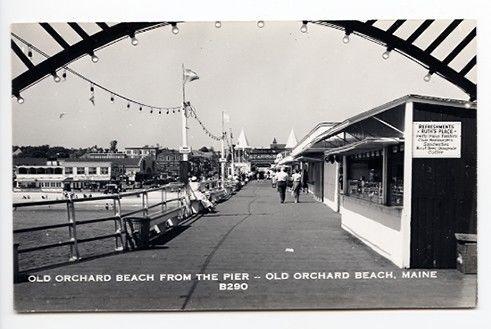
point(72, 231)
point(145, 203)
point(118, 226)
point(16, 263)
point(385, 187)
point(162, 199)
point(345, 175)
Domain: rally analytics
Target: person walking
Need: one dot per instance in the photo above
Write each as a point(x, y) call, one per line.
point(281, 182)
point(297, 185)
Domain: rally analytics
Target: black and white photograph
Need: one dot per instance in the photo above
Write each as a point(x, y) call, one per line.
point(252, 164)
point(244, 165)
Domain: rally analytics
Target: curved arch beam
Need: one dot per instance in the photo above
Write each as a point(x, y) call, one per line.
point(68, 55)
point(407, 48)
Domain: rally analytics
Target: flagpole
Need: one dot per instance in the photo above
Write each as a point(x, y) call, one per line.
point(184, 116)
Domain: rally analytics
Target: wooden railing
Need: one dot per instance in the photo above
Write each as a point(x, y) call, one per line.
point(124, 231)
point(131, 229)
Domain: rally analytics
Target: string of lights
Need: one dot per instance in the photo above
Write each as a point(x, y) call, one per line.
point(175, 30)
point(194, 115)
point(113, 95)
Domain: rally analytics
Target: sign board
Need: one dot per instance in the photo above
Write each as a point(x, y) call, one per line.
point(437, 139)
point(222, 160)
point(184, 150)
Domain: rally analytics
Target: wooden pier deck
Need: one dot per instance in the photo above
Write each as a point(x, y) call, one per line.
point(251, 233)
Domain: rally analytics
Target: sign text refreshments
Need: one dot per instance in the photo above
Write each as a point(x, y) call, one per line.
point(436, 139)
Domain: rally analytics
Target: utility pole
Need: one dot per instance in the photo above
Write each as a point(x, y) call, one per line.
point(222, 157)
point(232, 153)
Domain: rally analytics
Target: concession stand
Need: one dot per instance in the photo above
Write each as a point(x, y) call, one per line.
point(403, 177)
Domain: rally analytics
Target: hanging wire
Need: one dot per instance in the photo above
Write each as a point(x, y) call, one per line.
point(91, 82)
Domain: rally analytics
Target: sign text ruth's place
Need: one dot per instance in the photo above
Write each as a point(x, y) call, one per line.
point(436, 139)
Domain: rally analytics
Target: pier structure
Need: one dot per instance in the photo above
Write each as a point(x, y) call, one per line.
point(279, 256)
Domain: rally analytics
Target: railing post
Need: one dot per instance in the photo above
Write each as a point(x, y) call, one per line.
point(162, 199)
point(145, 203)
point(16, 263)
point(72, 231)
point(184, 208)
point(118, 225)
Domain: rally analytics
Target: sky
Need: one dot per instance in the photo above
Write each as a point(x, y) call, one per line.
point(268, 80)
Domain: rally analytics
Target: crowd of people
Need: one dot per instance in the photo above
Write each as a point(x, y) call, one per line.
point(281, 179)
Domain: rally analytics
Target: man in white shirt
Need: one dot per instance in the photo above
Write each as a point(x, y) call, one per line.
point(281, 181)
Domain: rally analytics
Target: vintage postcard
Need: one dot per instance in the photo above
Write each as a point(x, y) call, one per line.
point(254, 165)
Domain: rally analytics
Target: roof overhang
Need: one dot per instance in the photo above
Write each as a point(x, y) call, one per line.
point(367, 144)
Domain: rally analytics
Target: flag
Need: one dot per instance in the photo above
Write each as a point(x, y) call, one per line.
point(190, 75)
point(226, 117)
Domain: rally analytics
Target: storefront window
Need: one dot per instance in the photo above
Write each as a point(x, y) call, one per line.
point(104, 170)
point(92, 170)
point(68, 170)
point(365, 176)
point(80, 170)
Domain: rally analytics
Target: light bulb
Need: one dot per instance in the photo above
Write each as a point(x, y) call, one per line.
point(140, 108)
point(175, 29)
point(29, 53)
point(112, 99)
point(94, 58)
point(134, 41)
point(468, 105)
point(218, 24)
point(20, 100)
point(64, 74)
point(56, 78)
point(346, 38)
point(160, 112)
point(304, 28)
point(260, 24)
point(128, 105)
point(386, 54)
point(151, 111)
point(427, 77)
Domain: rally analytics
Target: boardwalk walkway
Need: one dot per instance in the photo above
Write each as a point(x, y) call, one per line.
point(250, 233)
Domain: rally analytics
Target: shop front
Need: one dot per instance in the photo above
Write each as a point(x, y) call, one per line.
point(403, 177)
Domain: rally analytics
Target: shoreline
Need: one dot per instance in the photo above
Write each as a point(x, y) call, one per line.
point(23, 196)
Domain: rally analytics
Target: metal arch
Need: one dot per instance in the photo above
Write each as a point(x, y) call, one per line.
point(366, 29)
point(87, 45)
point(407, 48)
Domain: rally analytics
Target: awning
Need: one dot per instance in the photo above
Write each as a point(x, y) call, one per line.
point(286, 160)
point(308, 159)
point(367, 144)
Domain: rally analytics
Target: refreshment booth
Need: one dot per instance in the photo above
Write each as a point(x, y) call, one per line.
point(403, 177)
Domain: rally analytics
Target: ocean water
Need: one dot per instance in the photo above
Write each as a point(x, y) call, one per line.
point(28, 217)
